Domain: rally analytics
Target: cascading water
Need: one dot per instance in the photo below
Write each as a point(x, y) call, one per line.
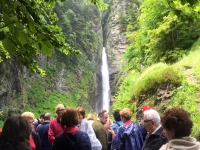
point(105, 82)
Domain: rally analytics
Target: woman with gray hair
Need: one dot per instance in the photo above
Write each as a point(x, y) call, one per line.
point(155, 137)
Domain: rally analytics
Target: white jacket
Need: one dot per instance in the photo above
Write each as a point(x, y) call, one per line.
point(86, 127)
point(185, 143)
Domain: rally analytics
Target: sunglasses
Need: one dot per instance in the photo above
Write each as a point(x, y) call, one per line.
point(147, 120)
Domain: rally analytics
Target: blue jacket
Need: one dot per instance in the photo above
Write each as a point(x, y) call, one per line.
point(42, 130)
point(75, 141)
point(115, 126)
point(128, 138)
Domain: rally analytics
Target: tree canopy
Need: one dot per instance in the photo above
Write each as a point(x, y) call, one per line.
point(28, 28)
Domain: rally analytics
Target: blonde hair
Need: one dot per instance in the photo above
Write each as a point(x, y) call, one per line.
point(90, 117)
point(28, 115)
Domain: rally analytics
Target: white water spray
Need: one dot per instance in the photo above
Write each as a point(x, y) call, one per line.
point(105, 82)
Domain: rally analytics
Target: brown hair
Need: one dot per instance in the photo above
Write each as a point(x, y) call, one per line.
point(69, 117)
point(16, 130)
point(126, 113)
point(81, 111)
point(177, 119)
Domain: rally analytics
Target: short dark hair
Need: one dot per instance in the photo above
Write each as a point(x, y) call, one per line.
point(177, 119)
point(17, 130)
point(116, 115)
point(101, 113)
point(69, 117)
point(81, 111)
point(42, 115)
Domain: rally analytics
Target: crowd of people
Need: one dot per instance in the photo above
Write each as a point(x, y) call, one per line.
point(72, 130)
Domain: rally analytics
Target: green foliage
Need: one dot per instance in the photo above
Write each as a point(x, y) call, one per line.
point(49, 102)
point(129, 21)
point(162, 36)
point(184, 9)
point(184, 73)
point(122, 98)
point(185, 97)
point(156, 75)
point(28, 28)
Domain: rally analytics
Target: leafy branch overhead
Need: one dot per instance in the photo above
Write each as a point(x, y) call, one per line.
point(30, 27)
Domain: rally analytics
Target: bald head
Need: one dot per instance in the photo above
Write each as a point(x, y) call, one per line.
point(60, 106)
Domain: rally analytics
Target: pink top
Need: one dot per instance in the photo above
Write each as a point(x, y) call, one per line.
point(73, 129)
point(32, 143)
point(54, 130)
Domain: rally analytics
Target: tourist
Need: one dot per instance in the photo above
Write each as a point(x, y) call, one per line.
point(42, 130)
point(15, 134)
point(90, 118)
point(86, 127)
point(128, 135)
point(178, 127)
point(99, 129)
point(71, 138)
point(34, 140)
point(55, 127)
point(156, 136)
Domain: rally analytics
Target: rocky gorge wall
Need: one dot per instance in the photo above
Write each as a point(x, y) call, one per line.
point(114, 40)
point(79, 77)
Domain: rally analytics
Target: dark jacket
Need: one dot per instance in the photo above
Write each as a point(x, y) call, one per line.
point(128, 138)
point(100, 133)
point(75, 141)
point(155, 140)
point(42, 130)
point(36, 139)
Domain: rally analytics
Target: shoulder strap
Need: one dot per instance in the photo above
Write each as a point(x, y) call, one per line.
point(117, 123)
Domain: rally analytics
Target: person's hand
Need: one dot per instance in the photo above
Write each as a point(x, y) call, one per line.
point(111, 131)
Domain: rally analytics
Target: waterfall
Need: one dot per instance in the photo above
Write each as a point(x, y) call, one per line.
point(105, 82)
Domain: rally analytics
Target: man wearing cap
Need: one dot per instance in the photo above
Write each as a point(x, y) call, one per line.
point(143, 130)
point(42, 130)
point(156, 136)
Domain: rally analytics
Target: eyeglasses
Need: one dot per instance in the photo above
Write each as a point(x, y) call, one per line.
point(147, 120)
point(60, 109)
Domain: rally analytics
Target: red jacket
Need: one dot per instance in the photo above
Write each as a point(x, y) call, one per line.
point(54, 130)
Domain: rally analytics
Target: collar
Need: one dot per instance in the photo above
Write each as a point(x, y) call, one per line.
point(127, 123)
point(156, 129)
point(73, 129)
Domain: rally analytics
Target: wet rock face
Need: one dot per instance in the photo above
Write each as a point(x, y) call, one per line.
point(116, 42)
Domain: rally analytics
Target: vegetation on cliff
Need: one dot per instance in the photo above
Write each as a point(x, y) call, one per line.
point(69, 79)
point(161, 63)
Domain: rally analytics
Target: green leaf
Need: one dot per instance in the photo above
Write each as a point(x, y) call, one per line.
point(166, 3)
point(32, 27)
point(22, 38)
point(8, 45)
point(48, 44)
point(2, 35)
point(46, 50)
point(6, 19)
point(40, 37)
